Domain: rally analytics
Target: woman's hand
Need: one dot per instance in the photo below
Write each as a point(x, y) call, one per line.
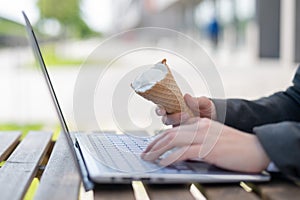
point(202, 107)
point(211, 141)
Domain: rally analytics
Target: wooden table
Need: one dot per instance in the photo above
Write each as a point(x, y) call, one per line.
point(36, 156)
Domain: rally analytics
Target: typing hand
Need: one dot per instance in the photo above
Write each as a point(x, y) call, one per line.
point(211, 141)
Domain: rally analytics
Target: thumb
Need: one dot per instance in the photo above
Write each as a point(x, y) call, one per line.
point(201, 106)
point(192, 103)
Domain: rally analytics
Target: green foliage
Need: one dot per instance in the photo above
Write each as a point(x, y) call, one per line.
point(24, 128)
point(8, 27)
point(67, 12)
point(53, 59)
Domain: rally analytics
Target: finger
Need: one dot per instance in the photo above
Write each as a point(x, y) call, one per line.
point(191, 120)
point(175, 119)
point(154, 142)
point(204, 102)
point(206, 107)
point(194, 129)
point(184, 153)
point(192, 103)
point(189, 125)
point(193, 133)
point(160, 111)
point(159, 149)
point(197, 124)
point(175, 138)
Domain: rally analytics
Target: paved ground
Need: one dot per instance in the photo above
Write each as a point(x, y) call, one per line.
point(25, 99)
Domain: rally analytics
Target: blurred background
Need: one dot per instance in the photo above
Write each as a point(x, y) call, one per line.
point(255, 45)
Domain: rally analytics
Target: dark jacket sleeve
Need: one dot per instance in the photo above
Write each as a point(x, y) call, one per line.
point(275, 120)
point(281, 141)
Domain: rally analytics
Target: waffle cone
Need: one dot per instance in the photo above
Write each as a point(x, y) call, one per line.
point(167, 94)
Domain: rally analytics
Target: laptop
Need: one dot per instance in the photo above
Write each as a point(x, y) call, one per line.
point(115, 158)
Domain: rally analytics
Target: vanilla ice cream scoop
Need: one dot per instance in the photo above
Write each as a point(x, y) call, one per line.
point(158, 85)
point(150, 77)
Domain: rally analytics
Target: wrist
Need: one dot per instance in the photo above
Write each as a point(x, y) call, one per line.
point(262, 157)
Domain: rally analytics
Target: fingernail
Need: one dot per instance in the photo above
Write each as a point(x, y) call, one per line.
point(159, 111)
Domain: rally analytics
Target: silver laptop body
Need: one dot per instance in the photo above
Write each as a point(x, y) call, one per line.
point(112, 158)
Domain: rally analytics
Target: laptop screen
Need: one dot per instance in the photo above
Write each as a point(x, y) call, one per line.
point(35, 46)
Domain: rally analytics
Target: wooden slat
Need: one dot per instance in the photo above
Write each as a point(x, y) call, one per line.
point(8, 141)
point(227, 192)
point(19, 169)
point(279, 189)
point(114, 192)
point(61, 178)
point(169, 191)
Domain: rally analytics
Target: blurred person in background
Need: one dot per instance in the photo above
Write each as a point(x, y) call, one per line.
point(213, 30)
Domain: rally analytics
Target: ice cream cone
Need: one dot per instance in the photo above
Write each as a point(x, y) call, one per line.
point(167, 94)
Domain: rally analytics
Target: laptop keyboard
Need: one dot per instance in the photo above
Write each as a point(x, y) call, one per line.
point(122, 152)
